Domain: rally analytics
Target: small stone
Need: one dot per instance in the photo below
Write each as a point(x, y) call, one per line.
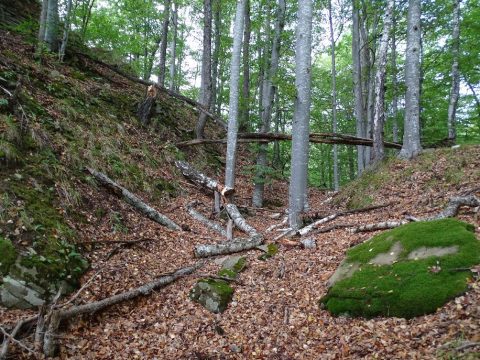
point(308, 243)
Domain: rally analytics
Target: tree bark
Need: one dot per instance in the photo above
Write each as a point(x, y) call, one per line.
point(163, 46)
point(66, 31)
point(173, 47)
point(379, 116)
point(411, 137)
point(239, 221)
point(234, 95)
point(233, 246)
point(455, 90)
point(300, 126)
point(336, 177)
point(268, 98)
point(51, 26)
point(394, 79)
point(244, 117)
point(216, 52)
point(133, 200)
point(206, 86)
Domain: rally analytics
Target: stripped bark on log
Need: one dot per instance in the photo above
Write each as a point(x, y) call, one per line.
point(198, 178)
point(133, 200)
point(199, 217)
point(236, 245)
point(51, 335)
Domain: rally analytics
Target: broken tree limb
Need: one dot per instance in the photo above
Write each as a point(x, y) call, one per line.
point(379, 226)
point(236, 245)
point(200, 179)
point(11, 337)
point(239, 221)
point(59, 315)
point(133, 200)
point(319, 138)
point(199, 217)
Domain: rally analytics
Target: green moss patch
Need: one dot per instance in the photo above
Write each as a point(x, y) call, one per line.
point(8, 254)
point(213, 294)
point(408, 285)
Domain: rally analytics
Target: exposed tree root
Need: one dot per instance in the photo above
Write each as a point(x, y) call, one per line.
point(133, 200)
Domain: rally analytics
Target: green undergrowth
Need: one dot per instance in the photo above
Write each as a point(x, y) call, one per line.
point(407, 288)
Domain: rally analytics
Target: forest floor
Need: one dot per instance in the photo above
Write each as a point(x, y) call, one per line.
point(271, 316)
point(275, 312)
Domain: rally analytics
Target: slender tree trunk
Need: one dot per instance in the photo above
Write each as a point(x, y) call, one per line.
point(394, 79)
point(206, 87)
point(336, 182)
point(51, 25)
point(86, 17)
point(300, 129)
point(411, 136)
point(66, 31)
point(216, 51)
point(366, 65)
point(276, 161)
point(173, 46)
point(164, 41)
point(454, 93)
point(234, 95)
point(42, 23)
point(268, 98)
point(379, 115)
point(475, 96)
point(357, 84)
point(244, 117)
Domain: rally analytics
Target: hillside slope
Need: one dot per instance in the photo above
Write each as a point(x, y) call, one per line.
point(81, 114)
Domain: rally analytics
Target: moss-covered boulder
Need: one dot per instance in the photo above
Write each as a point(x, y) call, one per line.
point(8, 254)
point(405, 272)
point(213, 294)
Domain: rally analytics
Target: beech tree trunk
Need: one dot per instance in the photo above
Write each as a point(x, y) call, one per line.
point(173, 47)
point(133, 200)
point(411, 136)
point(336, 177)
point(300, 131)
point(234, 95)
point(206, 87)
point(51, 26)
point(394, 78)
point(163, 45)
point(379, 115)
point(455, 90)
point(268, 99)
point(244, 117)
point(66, 31)
point(216, 53)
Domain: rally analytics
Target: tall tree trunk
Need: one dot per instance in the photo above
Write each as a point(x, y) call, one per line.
point(276, 161)
point(244, 117)
point(42, 23)
point(268, 98)
point(66, 31)
point(173, 46)
point(163, 46)
point(51, 25)
point(216, 51)
point(357, 85)
point(300, 128)
point(366, 65)
point(86, 16)
point(454, 93)
point(394, 79)
point(206, 87)
point(379, 115)
point(336, 182)
point(234, 95)
point(411, 136)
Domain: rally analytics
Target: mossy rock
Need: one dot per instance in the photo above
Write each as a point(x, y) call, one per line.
point(270, 250)
point(213, 294)
point(8, 254)
point(406, 272)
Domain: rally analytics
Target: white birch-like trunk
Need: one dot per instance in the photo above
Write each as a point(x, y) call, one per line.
point(216, 52)
point(394, 78)
point(379, 112)
point(234, 95)
point(163, 45)
point(173, 47)
point(454, 92)
point(66, 31)
point(300, 129)
point(51, 25)
point(411, 136)
point(268, 98)
point(336, 181)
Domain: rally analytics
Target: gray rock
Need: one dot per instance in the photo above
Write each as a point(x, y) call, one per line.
point(17, 294)
point(424, 252)
point(389, 257)
point(213, 294)
point(308, 243)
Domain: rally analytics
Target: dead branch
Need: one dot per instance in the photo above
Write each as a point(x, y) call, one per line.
point(144, 290)
point(317, 138)
point(11, 337)
point(379, 226)
point(133, 200)
point(236, 245)
point(202, 180)
point(239, 221)
point(199, 217)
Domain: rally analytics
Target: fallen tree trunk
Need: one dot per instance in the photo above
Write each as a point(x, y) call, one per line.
point(133, 200)
point(239, 221)
point(318, 138)
point(197, 177)
point(199, 217)
point(236, 245)
point(379, 226)
point(51, 335)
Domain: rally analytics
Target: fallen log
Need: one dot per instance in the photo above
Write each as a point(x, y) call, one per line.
point(200, 179)
point(236, 245)
point(318, 138)
point(384, 225)
point(51, 335)
point(133, 200)
point(239, 221)
point(199, 217)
